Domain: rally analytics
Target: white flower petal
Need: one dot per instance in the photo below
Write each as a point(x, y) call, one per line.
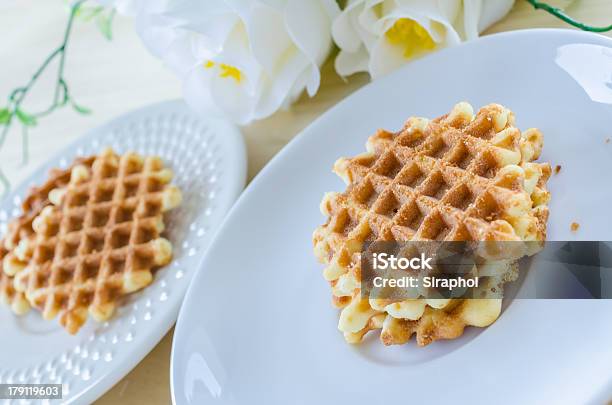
point(308, 25)
point(365, 32)
point(196, 91)
point(369, 17)
point(126, 7)
point(343, 30)
point(246, 58)
point(440, 30)
point(311, 79)
point(371, 39)
point(156, 32)
point(213, 19)
point(493, 11)
point(233, 100)
point(385, 58)
point(277, 4)
point(275, 89)
point(123, 7)
point(348, 63)
point(268, 35)
point(179, 56)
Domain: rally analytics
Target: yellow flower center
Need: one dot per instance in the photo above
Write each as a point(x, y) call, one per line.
point(225, 71)
point(411, 36)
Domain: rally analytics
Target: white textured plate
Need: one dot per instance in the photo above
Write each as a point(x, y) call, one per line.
point(257, 325)
point(209, 162)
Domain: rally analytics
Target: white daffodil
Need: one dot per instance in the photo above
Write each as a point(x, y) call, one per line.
point(244, 58)
point(378, 36)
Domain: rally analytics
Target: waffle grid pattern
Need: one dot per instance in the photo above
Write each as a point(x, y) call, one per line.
point(38, 198)
point(99, 241)
point(21, 229)
point(201, 155)
point(8, 295)
point(459, 177)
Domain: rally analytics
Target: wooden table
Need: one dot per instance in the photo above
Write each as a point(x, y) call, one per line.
point(113, 77)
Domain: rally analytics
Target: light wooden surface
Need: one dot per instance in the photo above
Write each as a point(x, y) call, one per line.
point(118, 76)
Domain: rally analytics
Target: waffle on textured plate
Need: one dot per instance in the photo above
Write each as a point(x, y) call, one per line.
point(21, 228)
point(95, 239)
point(8, 295)
point(459, 177)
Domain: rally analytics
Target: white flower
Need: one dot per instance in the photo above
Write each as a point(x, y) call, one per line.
point(244, 58)
point(378, 36)
point(124, 7)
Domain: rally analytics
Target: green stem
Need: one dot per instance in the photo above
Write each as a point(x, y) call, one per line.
point(18, 96)
point(560, 14)
point(62, 49)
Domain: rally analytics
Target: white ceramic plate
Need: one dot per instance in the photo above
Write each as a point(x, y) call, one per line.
point(257, 326)
point(209, 162)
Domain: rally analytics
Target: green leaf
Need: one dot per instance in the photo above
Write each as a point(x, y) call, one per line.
point(87, 14)
point(80, 109)
point(105, 24)
point(5, 116)
point(26, 119)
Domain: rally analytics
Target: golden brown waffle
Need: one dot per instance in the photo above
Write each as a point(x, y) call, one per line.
point(37, 199)
point(445, 321)
point(21, 228)
point(434, 323)
point(460, 177)
point(8, 295)
point(99, 241)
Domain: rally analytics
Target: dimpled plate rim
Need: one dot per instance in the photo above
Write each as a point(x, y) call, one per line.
point(208, 158)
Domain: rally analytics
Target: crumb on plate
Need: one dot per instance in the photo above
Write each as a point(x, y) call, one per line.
point(574, 227)
point(557, 169)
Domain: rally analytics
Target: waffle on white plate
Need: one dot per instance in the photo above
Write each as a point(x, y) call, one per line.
point(21, 228)
point(8, 295)
point(459, 177)
point(95, 238)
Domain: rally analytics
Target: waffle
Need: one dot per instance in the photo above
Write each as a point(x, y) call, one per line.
point(460, 177)
point(445, 321)
point(38, 198)
point(21, 228)
point(8, 295)
point(98, 240)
